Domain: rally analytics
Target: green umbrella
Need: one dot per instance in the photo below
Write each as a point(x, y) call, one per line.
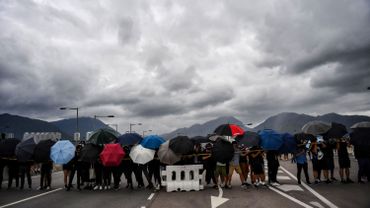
point(103, 136)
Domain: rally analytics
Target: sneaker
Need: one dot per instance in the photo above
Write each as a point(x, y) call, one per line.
point(48, 188)
point(96, 188)
point(275, 184)
point(256, 184)
point(246, 184)
point(140, 186)
point(158, 187)
point(228, 186)
point(100, 187)
point(40, 188)
point(263, 184)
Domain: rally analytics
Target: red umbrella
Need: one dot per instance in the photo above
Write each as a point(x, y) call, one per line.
point(229, 130)
point(112, 155)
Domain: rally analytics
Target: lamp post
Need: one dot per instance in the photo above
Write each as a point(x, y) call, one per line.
point(76, 109)
point(133, 124)
point(149, 130)
point(98, 116)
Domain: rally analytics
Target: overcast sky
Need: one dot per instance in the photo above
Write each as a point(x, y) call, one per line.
point(171, 64)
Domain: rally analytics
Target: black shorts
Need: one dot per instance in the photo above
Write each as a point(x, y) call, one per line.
point(327, 163)
point(344, 162)
point(67, 167)
point(257, 168)
point(316, 165)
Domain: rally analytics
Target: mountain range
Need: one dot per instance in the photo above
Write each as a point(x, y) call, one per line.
point(283, 122)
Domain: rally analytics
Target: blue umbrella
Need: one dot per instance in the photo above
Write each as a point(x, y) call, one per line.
point(129, 139)
point(270, 139)
point(289, 144)
point(152, 142)
point(62, 152)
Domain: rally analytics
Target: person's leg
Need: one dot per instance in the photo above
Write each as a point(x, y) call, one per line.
point(341, 174)
point(241, 176)
point(65, 177)
point(28, 175)
point(299, 169)
point(360, 172)
point(305, 170)
point(71, 176)
point(229, 176)
point(2, 165)
point(22, 171)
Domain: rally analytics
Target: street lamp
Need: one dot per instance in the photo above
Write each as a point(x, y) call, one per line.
point(76, 109)
point(98, 116)
point(149, 130)
point(133, 124)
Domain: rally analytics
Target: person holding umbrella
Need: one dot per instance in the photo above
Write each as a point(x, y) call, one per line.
point(45, 178)
point(343, 160)
point(301, 160)
point(272, 157)
point(209, 166)
point(25, 171)
point(76, 166)
point(257, 166)
point(234, 165)
point(3, 163)
point(13, 172)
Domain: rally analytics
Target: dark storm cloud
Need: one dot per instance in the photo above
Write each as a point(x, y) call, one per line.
point(157, 108)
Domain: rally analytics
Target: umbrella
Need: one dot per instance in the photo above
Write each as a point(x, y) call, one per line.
point(360, 137)
point(316, 127)
point(229, 130)
point(141, 155)
point(289, 144)
point(364, 124)
point(181, 145)
point(62, 152)
point(112, 155)
point(7, 147)
point(336, 131)
point(42, 151)
point(270, 139)
point(90, 153)
point(129, 139)
point(200, 139)
point(222, 151)
point(249, 139)
point(152, 142)
point(24, 150)
point(103, 136)
point(166, 155)
point(302, 138)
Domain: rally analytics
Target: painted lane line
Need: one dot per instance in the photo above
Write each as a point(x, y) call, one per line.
point(32, 197)
point(317, 204)
point(323, 199)
point(151, 196)
point(291, 198)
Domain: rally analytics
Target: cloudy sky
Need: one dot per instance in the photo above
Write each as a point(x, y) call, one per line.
point(171, 64)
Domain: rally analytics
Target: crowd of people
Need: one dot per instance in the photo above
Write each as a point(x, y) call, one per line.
point(245, 162)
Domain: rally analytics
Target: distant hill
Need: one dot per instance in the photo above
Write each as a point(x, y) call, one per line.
point(18, 125)
point(203, 129)
point(293, 122)
point(85, 124)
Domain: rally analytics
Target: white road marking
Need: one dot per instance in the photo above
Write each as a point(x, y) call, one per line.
point(291, 198)
point(217, 201)
point(151, 196)
point(283, 178)
point(32, 197)
point(323, 199)
point(316, 204)
point(286, 187)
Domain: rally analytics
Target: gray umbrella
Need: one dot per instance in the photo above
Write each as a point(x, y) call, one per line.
point(365, 124)
point(166, 155)
point(316, 127)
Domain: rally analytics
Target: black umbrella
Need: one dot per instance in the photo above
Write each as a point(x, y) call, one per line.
point(7, 147)
point(360, 137)
point(336, 131)
point(90, 153)
point(103, 136)
point(200, 139)
point(181, 145)
point(25, 150)
point(42, 151)
point(129, 139)
point(302, 138)
point(249, 139)
point(229, 130)
point(222, 151)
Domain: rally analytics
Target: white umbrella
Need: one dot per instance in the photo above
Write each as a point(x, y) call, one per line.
point(316, 127)
point(365, 124)
point(141, 155)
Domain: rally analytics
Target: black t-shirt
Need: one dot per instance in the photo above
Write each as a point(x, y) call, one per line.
point(342, 151)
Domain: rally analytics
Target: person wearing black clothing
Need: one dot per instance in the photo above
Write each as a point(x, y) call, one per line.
point(25, 171)
point(98, 168)
point(138, 174)
point(13, 172)
point(45, 178)
point(75, 167)
point(343, 160)
point(327, 162)
point(3, 163)
point(272, 157)
point(362, 154)
point(126, 166)
point(209, 166)
point(154, 168)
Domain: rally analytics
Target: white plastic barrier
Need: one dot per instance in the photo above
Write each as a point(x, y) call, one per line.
point(39, 136)
point(182, 178)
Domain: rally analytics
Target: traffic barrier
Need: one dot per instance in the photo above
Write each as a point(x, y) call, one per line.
point(182, 178)
point(40, 136)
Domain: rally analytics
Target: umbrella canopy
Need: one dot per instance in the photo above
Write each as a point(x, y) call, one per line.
point(129, 139)
point(270, 139)
point(166, 155)
point(365, 124)
point(62, 152)
point(336, 131)
point(7, 147)
point(302, 138)
point(316, 127)
point(248, 139)
point(222, 151)
point(229, 130)
point(360, 137)
point(24, 150)
point(141, 155)
point(152, 142)
point(42, 151)
point(103, 136)
point(112, 155)
point(90, 153)
point(289, 144)
point(181, 145)
point(200, 139)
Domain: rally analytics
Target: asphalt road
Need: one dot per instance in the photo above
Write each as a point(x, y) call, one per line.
point(289, 194)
